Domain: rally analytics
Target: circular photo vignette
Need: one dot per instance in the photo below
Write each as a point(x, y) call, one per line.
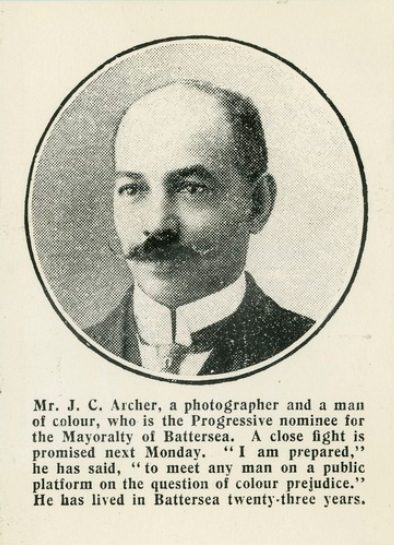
point(204, 379)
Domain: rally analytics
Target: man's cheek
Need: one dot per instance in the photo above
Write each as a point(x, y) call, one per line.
point(129, 232)
point(204, 233)
point(197, 220)
point(214, 217)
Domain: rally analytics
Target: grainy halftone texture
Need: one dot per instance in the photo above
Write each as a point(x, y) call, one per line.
point(304, 256)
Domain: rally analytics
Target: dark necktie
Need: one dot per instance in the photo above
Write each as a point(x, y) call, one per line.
point(172, 355)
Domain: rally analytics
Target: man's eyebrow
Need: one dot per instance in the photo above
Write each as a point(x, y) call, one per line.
point(198, 170)
point(193, 170)
point(129, 174)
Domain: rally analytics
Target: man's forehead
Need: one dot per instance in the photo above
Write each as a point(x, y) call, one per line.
point(167, 100)
point(175, 107)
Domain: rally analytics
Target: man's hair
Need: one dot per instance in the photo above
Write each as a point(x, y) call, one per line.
point(251, 155)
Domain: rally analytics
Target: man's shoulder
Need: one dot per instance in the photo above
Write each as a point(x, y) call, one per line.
point(112, 332)
point(258, 330)
point(280, 319)
point(271, 319)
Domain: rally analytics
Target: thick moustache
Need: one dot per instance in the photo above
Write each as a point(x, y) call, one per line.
point(161, 247)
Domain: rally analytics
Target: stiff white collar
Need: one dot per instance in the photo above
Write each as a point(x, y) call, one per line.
point(154, 320)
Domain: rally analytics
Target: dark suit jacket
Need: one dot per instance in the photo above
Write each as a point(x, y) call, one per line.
point(258, 330)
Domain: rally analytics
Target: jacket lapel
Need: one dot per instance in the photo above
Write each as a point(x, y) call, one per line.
point(244, 337)
point(130, 344)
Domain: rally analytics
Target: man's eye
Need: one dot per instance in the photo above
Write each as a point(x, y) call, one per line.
point(193, 188)
point(129, 190)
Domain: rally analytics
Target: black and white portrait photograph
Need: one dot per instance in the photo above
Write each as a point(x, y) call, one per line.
point(196, 209)
point(197, 272)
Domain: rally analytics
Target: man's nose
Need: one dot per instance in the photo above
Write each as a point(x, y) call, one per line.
point(161, 216)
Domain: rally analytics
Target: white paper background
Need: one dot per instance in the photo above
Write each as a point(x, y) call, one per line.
point(48, 48)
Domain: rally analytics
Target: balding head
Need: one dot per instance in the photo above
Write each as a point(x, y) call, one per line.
point(223, 116)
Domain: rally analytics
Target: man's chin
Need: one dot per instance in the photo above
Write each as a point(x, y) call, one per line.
point(172, 283)
point(177, 282)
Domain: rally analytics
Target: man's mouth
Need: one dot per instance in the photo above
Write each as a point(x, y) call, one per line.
point(167, 254)
point(176, 254)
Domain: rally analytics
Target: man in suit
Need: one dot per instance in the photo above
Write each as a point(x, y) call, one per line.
point(191, 188)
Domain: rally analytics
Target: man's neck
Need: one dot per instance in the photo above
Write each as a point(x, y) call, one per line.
point(154, 320)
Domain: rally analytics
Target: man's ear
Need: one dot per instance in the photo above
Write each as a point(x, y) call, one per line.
point(263, 199)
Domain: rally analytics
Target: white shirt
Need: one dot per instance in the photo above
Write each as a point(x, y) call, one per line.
point(155, 325)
